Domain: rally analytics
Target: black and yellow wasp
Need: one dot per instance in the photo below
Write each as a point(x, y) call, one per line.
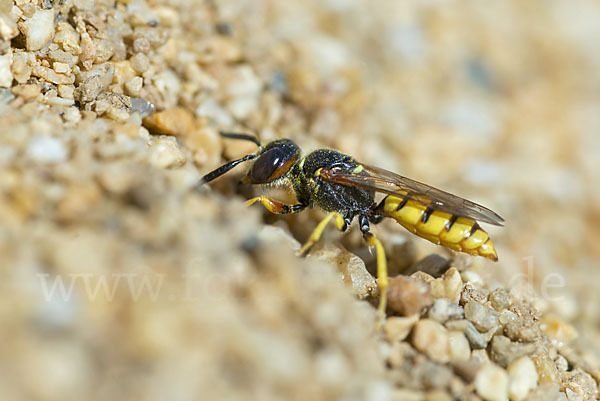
point(345, 188)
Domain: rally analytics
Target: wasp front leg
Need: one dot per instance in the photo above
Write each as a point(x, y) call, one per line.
point(277, 207)
point(340, 223)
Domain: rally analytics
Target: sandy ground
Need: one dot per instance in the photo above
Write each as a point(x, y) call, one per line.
point(121, 281)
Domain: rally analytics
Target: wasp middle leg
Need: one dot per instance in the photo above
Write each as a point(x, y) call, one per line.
point(340, 223)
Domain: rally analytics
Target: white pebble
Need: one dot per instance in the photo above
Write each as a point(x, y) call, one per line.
point(72, 114)
point(46, 149)
point(59, 101)
point(165, 153)
point(8, 27)
point(6, 76)
point(39, 29)
point(523, 378)
point(458, 346)
point(61, 68)
point(134, 86)
point(431, 338)
point(448, 286)
point(397, 328)
point(491, 383)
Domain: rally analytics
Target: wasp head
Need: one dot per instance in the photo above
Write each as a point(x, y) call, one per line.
point(272, 162)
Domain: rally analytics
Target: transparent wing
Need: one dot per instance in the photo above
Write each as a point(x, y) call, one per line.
point(380, 180)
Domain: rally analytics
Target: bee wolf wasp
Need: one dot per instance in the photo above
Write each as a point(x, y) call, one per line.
point(345, 188)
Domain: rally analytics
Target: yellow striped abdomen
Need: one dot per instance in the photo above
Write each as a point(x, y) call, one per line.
point(458, 233)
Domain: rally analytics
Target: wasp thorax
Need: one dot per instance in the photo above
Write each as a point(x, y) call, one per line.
point(273, 161)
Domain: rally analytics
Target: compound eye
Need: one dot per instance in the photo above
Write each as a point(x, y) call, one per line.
point(266, 167)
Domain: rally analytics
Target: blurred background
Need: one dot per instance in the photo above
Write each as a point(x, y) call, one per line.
point(494, 101)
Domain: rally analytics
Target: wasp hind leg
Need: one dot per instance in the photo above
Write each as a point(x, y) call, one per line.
point(340, 223)
point(382, 275)
point(276, 207)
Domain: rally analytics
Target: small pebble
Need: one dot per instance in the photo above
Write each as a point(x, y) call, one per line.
point(448, 286)
point(134, 86)
point(176, 121)
point(61, 68)
point(431, 338)
point(64, 57)
point(443, 310)
point(470, 293)
point(458, 346)
point(72, 114)
point(499, 299)
point(47, 149)
point(123, 71)
point(522, 330)
point(504, 352)
point(38, 30)
point(66, 91)
point(523, 378)
point(476, 339)
point(20, 68)
point(165, 153)
point(561, 363)
point(94, 82)
point(491, 383)
point(397, 328)
point(140, 62)
point(6, 75)
point(482, 317)
point(408, 296)
point(546, 367)
point(52, 76)
point(142, 106)
point(424, 277)
point(8, 27)
point(581, 385)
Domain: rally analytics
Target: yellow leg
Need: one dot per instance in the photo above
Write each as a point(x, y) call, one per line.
point(318, 231)
point(274, 206)
point(382, 276)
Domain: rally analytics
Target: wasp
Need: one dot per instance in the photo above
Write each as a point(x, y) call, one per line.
point(345, 188)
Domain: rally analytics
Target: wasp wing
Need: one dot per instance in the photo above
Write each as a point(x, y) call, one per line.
point(380, 180)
